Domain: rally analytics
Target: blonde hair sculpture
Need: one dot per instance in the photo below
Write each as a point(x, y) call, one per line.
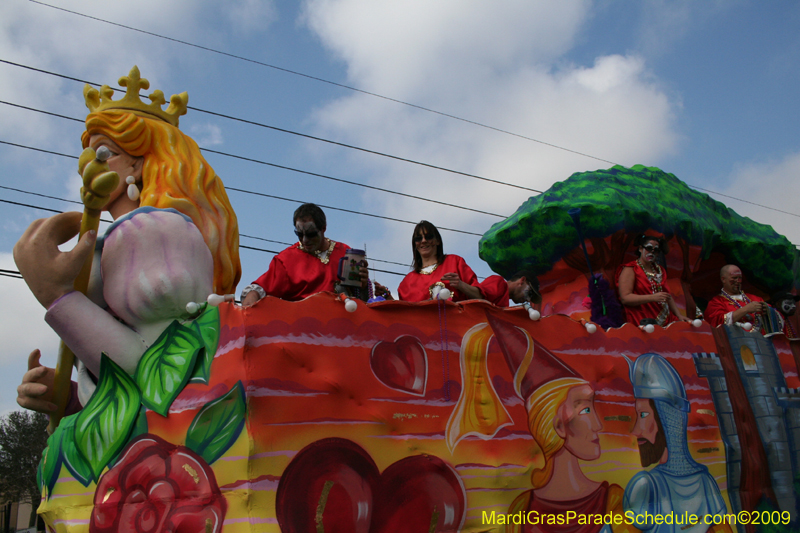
point(175, 175)
point(543, 406)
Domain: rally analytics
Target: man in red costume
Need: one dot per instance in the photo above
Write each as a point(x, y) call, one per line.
point(732, 305)
point(521, 287)
point(305, 268)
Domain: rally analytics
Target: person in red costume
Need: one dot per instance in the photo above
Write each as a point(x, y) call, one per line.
point(732, 305)
point(305, 268)
point(521, 287)
point(432, 268)
point(642, 285)
point(566, 430)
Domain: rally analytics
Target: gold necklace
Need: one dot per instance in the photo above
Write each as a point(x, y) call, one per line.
point(323, 255)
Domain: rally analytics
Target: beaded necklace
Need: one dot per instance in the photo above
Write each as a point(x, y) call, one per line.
point(323, 255)
point(655, 285)
point(736, 303)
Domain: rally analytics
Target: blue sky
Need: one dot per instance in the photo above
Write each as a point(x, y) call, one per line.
point(705, 90)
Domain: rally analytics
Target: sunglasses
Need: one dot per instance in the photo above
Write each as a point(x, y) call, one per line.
point(652, 249)
point(427, 237)
point(308, 234)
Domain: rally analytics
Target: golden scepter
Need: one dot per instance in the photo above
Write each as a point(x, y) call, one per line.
point(98, 184)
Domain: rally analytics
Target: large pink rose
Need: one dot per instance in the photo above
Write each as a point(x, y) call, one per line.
point(158, 487)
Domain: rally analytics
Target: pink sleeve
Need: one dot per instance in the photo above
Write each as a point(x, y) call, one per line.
point(89, 330)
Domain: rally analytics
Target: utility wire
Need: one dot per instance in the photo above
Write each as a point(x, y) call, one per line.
point(315, 78)
point(333, 142)
point(283, 167)
point(283, 130)
point(287, 199)
point(111, 222)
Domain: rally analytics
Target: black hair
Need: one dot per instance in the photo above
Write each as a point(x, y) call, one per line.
point(640, 240)
point(314, 212)
point(428, 229)
point(532, 280)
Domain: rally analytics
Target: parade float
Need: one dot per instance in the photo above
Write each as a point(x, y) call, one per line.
point(199, 415)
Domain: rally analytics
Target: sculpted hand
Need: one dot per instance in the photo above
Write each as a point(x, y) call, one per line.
point(49, 272)
point(98, 181)
point(36, 390)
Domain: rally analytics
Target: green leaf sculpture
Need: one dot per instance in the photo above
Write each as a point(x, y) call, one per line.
point(218, 424)
point(167, 365)
point(103, 426)
point(50, 465)
point(207, 326)
point(71, 455)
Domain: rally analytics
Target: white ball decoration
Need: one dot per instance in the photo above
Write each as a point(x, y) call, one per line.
point(649, 328)
point(534, 314)
point(350, 305)
point(192, 307)
point(591, 328)
point(215, 299)
point(747, 326)
point(444, 294)
point(697, 322)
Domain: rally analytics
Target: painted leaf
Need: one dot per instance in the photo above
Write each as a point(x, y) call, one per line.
point(207, 326)
point(166, 366)
point(71, 455)
point(218, 424)
point(103, 426)
point(50, 464)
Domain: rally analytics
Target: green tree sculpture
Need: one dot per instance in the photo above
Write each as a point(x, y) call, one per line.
point(622, 202)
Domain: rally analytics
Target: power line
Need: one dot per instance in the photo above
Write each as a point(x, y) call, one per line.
point(283, 130)
point(282, 198)
point(111, 222)
point(283, 167)
point(331, 142)
point(10, 273)
point(315, 78)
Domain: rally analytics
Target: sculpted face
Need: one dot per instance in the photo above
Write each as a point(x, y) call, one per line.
point(578, 424)
point(125, 165)
point(651, 440)
point(732, 280)
point(311, 239)
point(788, 306)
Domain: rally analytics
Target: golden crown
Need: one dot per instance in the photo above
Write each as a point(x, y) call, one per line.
point(133, 82)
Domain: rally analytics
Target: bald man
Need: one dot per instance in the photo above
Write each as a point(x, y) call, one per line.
point(732, 305)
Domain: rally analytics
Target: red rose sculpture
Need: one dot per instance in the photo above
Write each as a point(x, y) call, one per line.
point(158, 487)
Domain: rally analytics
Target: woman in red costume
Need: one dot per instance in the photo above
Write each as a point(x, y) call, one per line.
point(642, 285)
point(432, 268)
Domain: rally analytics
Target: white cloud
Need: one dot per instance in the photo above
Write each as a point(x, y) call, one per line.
point(250, 15)
point(206, 134)
point(783, 177)
point(501, 64)
point(23, 329)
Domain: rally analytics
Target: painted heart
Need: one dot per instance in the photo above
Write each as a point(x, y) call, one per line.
point(328, 486)
point(333, 485)
point(401, 365)
point(419, 493)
